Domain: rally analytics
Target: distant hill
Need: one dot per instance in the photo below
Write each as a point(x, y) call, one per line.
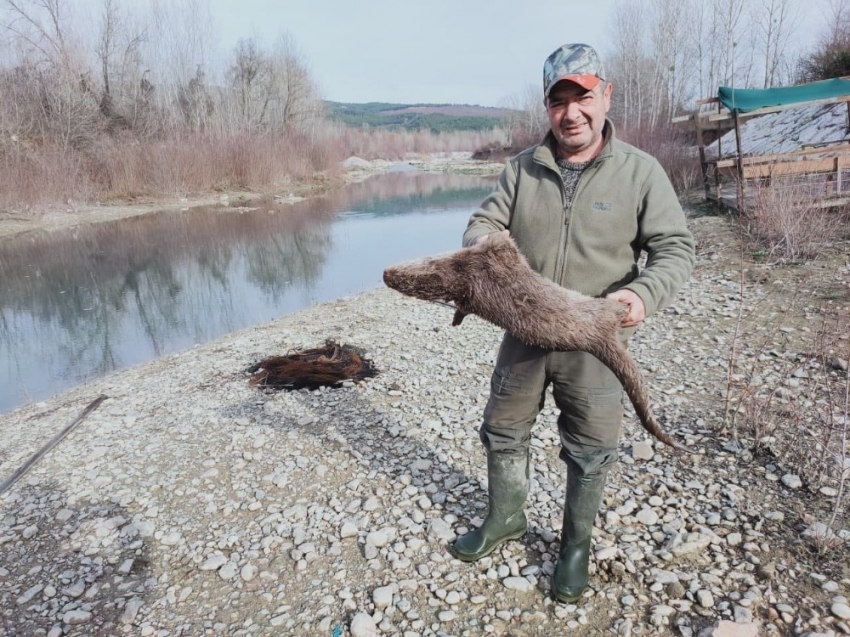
point(434, 117)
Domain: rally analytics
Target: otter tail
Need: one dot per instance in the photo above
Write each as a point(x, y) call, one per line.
point(618, 359)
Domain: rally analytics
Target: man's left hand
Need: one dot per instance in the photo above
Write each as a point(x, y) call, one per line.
point(637, 310)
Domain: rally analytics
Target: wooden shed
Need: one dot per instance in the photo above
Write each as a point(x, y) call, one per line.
point(792, 137)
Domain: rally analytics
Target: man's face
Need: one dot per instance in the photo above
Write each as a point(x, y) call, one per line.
point(577, 117)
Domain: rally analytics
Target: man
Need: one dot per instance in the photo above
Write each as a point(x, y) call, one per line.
point(581, 206)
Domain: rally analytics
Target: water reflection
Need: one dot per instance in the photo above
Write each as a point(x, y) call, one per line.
point(81, 303)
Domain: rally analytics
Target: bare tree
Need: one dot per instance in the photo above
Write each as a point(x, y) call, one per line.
point(831, 57)
point(50, 83)
point(627, 64)
point(672, 58)
point(653, 62)
point(294, 95)
point(774, 21)
point(179, 53)
point(250, 81)
point(41, 25)
point(733, 44)
point(118, 52)
point(525, 121)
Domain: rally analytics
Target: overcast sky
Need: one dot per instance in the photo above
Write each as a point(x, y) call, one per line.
point(407, 51)
point(435, 51)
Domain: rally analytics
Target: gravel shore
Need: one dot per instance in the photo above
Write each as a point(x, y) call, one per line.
point(191, 503)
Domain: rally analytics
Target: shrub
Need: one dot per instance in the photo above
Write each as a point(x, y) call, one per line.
point(671, 147)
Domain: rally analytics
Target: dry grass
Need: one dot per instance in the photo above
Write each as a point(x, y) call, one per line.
point(121, 166)
point(788, 389)
point(786, 224)
point(394, 145)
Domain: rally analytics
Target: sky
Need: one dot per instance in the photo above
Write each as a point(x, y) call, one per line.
point(411, 51)
point(483, 52)
point(433, 51)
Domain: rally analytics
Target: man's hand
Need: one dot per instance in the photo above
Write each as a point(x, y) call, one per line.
point(487, 237)
point(637, 310)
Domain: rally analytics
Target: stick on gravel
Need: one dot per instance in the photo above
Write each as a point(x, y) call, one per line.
point(55, 441)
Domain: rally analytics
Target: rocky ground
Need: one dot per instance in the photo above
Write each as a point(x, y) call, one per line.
point(192, 503)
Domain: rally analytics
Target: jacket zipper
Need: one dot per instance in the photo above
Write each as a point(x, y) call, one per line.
point(559, 261)
point(568, 210)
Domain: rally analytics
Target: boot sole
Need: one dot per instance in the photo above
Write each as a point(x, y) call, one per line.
point(478, 556)
point(568, 599)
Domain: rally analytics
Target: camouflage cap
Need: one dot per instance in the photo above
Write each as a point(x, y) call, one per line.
point(577, 63)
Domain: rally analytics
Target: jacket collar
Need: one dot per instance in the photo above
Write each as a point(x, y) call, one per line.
point(545, 154)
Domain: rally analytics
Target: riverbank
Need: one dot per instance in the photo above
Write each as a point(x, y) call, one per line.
point(191, 503)
point(52, 218)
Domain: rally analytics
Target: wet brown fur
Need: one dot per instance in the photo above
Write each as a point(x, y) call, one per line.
point(494, 281)
point(326, 366)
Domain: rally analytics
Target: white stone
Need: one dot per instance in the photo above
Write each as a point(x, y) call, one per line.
point(382, 596)
point(214, 562)
point(247, 572)
point(517, 584)
point(76, 617)
point(606, 553)
point(228, 571)
point(694, 544)
point(647, 517)
point(347, 529)
point(362, 625)
point(840, 610)
point(29, 594)
point(726, 628)
point(440, 530)
point(131, 610)
point(642, 450)
point(378, 539)
point(792, 481)
point(819, 531)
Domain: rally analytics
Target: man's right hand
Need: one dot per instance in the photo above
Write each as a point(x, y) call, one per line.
point(487, 237)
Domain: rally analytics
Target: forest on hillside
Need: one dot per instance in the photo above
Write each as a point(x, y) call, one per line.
point(437, 118)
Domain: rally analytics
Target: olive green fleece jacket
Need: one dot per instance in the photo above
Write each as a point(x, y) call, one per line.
point(623, 203)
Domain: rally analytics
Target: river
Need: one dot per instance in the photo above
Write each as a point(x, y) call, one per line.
point(81, 303)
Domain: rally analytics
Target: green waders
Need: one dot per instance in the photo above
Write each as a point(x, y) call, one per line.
point(507, 477)
point(584, 495)
point(589, 398)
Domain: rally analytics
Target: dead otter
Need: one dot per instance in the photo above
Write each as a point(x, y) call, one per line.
point(494, 281)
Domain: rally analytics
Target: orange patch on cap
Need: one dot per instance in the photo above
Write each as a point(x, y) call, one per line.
point(586, 81)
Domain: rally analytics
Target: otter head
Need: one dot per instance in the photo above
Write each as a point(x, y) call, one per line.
point(454, 276)
point(426, 279)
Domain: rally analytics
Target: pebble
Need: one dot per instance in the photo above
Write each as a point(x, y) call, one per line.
point(520, 584)
point(647, 517)
point(792, 481)
point(382, 596)
point(362, 625)
point(76, 617)
point(840, 610)
point(196, 504)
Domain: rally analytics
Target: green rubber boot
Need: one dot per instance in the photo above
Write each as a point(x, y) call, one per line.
point(507, 476)
point(584, 495)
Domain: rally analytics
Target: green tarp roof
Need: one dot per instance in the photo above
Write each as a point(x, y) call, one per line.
point(744, 100)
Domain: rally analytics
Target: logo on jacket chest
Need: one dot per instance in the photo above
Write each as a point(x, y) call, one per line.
point(602, 206)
